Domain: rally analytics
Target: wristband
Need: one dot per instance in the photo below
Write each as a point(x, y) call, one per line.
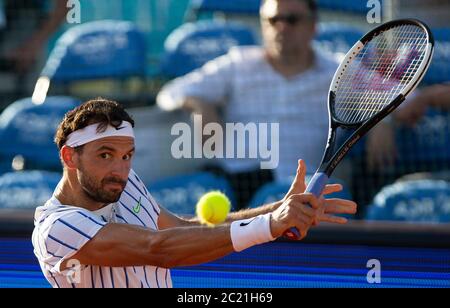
point(249, 232)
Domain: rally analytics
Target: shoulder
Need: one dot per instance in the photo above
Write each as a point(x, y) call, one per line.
point(238, 56)
point(61, 230)
point(47, 216)
point(246, 53)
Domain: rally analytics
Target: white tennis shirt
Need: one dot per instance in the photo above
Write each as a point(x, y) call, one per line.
point(62, 230)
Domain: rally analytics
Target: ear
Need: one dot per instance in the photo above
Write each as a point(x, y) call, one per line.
point(68, 157)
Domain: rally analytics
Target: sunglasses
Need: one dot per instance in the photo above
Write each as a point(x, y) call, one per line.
point(290, 19)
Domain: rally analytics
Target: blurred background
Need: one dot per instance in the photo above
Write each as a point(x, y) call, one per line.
point(53, 57)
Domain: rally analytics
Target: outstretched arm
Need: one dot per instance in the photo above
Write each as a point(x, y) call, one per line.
point(330, 206)
point(120, 245)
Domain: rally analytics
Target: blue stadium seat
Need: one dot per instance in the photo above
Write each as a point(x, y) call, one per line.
point(100, 49)
point(27, 190)
point(337, 37)
point(252, 6)
point(193, 44)
point(28, 130)
point(412, 201)
point(275, 191)
point(439, 70)
point(428, 141)
point(228, 6)
point(180, 194)
point(348, 6)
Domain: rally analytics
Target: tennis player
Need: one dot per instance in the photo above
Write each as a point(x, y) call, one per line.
point(102, 228)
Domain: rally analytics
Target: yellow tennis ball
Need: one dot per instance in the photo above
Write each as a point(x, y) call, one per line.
point(213, 208)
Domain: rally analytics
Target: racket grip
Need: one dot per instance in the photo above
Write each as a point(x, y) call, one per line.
point(315, 186)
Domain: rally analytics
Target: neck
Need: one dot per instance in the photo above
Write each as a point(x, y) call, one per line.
point(71, 193)
point(291, 64)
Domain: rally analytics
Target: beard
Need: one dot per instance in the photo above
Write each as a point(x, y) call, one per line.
point(96, 190)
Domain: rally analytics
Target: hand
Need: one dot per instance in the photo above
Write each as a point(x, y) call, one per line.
point(298, 186)
point(381, 148)
point(299, 211)
point(328, 207)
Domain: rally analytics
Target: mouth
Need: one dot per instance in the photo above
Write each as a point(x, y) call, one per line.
point(115, 186)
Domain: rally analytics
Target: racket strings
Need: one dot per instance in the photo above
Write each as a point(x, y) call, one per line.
point(380, 72)
point(381, 91)
point(388, 90)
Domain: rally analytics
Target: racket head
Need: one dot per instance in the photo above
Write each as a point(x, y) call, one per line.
point(379, 71)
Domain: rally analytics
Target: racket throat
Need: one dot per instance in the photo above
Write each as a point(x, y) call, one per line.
point(329, 150)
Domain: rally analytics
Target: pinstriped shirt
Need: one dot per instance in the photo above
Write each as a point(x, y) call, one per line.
point(62, 230)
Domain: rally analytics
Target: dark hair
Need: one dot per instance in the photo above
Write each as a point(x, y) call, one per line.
point(312, 6)
point(98, 110)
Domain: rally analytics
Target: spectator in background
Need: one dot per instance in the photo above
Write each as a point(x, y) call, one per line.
point(381, 147)
point(27, 26)
point(286, 81)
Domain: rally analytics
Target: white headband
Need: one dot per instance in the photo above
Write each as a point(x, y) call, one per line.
point(89, 134)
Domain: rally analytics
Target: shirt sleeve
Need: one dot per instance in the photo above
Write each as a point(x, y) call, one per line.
point(211, 83)
point(67, 234)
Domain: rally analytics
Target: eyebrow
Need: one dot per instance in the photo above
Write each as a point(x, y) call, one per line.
point(107, 148)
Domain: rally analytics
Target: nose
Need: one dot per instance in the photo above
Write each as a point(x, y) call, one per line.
point(121, 170)
point(281, 26)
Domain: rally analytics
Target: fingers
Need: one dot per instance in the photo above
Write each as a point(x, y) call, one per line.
point(306, 210)
point(303, 211)
point(297, 213)
point(298, 185)
point(337, 206)
point(306, 198)
point(332, 188)
point(340, 206)
point(333, 219)
point(301, 170)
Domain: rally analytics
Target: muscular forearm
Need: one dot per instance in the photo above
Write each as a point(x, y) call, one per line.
point(192, 245)
point(119, 245)
point(249, 213)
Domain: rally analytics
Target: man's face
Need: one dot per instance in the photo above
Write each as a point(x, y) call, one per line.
point(287, 26)
point(103, 168)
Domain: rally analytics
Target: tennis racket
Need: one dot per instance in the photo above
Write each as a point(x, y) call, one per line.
point(374, 78)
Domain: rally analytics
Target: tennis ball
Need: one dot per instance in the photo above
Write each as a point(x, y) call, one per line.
point(213, 208)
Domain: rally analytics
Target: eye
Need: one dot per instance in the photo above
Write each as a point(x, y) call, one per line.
point(127, 157)
point(105, 155)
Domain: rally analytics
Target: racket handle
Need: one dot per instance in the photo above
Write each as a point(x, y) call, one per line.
point(315, 186)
